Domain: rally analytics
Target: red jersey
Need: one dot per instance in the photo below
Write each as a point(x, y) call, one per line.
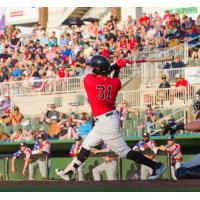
point(183, 83)
point(102, 93)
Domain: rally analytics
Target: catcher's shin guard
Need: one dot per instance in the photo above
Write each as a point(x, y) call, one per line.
point(188, 173)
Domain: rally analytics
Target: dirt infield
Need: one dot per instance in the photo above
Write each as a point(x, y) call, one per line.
point(114, 186)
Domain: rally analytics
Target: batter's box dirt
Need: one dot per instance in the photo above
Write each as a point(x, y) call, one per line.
point(101, 186)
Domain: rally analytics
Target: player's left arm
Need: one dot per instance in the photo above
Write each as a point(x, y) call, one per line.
point(122, 62)
point(26, 163)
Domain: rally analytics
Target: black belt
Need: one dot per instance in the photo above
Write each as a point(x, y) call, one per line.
point(107, 115)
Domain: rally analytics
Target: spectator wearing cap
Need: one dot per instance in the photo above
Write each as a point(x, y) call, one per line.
point(51, 111)
point(6, 118)
point(85, 126)
point(54, 128)
point(141, 146)
point(181, 86)
point(175, 155)
point(5, 103)
point(67, 131)
point(180, 81)
point(41, 150)
point(164, 83)
point(163, 93)
point(23, 152)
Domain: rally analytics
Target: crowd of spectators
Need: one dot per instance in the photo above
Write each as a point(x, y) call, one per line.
point(58, 125)
point(43, 55)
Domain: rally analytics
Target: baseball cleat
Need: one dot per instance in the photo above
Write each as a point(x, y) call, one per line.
point(62, 175)
point(157, 173)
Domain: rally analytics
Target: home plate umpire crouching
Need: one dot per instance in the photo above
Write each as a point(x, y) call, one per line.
point(102, 91)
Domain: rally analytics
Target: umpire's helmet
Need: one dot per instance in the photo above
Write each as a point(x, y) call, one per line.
point(100, 64)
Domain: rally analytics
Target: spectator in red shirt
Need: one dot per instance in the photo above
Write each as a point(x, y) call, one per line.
point(144, 20)
point(181, 85)
point(132, 43)
point(180, 81)
point(63, 73)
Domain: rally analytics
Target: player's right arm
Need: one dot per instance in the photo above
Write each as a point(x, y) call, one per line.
point(15, 156)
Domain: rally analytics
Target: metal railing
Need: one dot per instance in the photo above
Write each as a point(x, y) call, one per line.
point(77, 101)
point(152, 76)
point(43, 86)
point(175, 97)
point(57, 85)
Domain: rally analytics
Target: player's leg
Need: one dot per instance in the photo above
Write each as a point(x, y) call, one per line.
point(43, 168)
point(91, 140)
point(119, 146)
point(173, 173)
point(111, 170)
point(111, 135)
point(31, 170)
point(80, 172)
point(98, 170)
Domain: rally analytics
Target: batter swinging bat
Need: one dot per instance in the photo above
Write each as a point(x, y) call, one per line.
point(162, 59)
point(123, 61)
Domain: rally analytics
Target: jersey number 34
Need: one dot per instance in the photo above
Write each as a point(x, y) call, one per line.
point(104, 92)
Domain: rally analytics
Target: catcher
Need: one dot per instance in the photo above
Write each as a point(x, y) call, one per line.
point(194, 126)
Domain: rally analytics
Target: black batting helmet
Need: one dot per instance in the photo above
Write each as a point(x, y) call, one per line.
point(100, 64)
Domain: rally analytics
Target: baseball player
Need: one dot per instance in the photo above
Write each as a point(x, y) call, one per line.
point(41, 148)
point(194, 126)
point(73, 152)
point(175, 155)
point(141, 146)
point(25, 152)
point(109, 165)
point(102, 91)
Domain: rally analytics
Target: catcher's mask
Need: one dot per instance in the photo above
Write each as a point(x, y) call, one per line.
point(196, 101)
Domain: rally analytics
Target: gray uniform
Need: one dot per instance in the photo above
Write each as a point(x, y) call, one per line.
point(107, 130)
point(41, 161)
point(146, 172)
point(109, 166)
point(43, 167)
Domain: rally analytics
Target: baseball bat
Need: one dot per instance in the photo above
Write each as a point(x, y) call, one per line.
point(162, 59)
